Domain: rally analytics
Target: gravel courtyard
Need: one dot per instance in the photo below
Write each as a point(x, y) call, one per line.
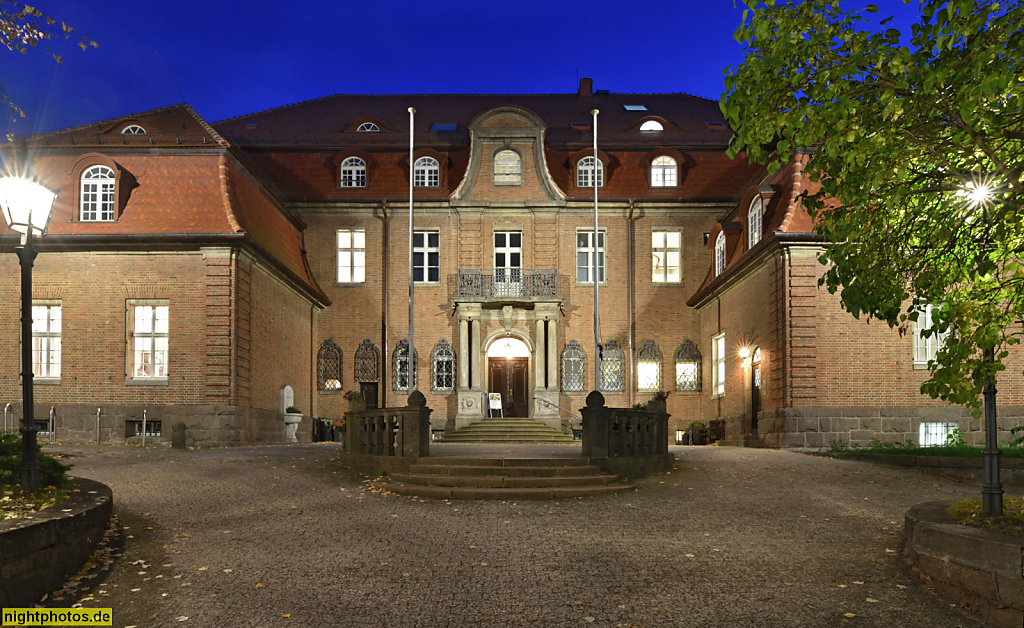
point(283, 536)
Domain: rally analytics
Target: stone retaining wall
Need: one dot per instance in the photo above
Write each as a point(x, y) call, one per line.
point(1011, 470)
point(38, 553)
point(979, 568)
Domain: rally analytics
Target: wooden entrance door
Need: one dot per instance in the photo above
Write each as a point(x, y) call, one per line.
point(369, 392)
point(755, 389)
point(509, 376)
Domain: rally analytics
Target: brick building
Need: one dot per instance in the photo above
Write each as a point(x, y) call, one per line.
point(194, 270)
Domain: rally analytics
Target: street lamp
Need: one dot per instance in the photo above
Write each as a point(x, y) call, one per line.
point(26, 206)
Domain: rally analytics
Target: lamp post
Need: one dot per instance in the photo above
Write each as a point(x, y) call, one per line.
point(26, 206)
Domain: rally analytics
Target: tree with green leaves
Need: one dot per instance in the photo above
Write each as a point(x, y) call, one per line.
point(23, 27)
point(917, 141)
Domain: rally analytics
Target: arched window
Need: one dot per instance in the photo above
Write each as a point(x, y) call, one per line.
point(367, 127)
point(688, 367)
point(442, 367)
point(328, 366)
point(574, 368)
point(587, 173)
point(508, 168)
point(353, 173)
point(719, 254)
point(97, 194)
point(612, 360)
point(426, 173)
point(133, 129)
point(652, 125)
point(367, 362)
point(648, 367)
point(754, 222)
point(400, 376)
point(663, 172)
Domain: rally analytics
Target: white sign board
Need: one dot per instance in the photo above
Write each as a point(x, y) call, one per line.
point(494, 401)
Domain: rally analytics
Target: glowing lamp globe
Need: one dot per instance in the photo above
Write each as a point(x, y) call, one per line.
point(744, 353)
point(26, 204)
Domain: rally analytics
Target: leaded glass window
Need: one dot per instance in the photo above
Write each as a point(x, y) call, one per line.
point(574, 368)
point(688, 372)
point(442, 367)
point(400, 376)
point(648, 367)
point(328, 366)
point(367, 362)
point(612, 360)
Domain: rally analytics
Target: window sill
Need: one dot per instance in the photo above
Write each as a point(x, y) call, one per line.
point(147, 381)
point(674, 284)
point(349, 284)
point(920, 366)
point(427, 284)
point(46, 381)
point(600, 284)
point(514, 184)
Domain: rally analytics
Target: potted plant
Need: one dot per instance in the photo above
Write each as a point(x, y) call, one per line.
point(292, 418)
point(696, 437)
point(355, 401)
point(658, 402)
point(338, 430)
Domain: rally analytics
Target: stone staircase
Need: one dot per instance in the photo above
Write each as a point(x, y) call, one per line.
point(507, 430)
point(504, 478)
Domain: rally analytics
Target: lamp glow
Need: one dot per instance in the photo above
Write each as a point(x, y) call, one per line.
point(26, 204)
point(744, 353)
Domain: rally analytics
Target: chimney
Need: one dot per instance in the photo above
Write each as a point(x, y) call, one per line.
point(586, 87)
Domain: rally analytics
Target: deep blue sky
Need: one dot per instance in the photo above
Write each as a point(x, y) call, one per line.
point(229, 58)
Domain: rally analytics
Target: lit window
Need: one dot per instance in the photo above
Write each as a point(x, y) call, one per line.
point(426, 256)
point(666, 256)
point(427, 173)
point(718, 364)
point(149, 341)
point(46, 330)
point(574, 368)
point(935, 434)
point(587, 173)
point(754, 222)
point(652, 125)
point(648, 367)
point(367, 127)
point(97, 194)
point(367, 362)
point(720, 254)
point(353, 173)
point(663, 172)
point(585, 256)
point(925, 348)
point(508, 168)
point(328, 366)
point(133, 129)
point(688, 367)
point(351, 256)
point(442, 367)
point(400, 367)
point(612, 360)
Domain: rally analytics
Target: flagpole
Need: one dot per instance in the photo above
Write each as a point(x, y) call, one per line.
point(597, 302)
point(412, 174)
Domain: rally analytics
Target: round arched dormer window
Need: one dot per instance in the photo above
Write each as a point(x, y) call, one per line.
point(133, 129)
point(720, 254)
point(652, 126)
point(367, 127)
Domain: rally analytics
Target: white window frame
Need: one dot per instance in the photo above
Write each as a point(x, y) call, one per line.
point(426, 173)
point(718, 365)
point(587, 250)
point(934, 434)
point(424, 264)
point(754, 222)
point(351, 256)
point(96, 194)
point(719, 254)
point(133, 129)
point(585, 172)
point(508, 168)
point(148, 364)
point(367, 127)
point(46, 341)
point(925, 349)
point(666, 256)
point(652, 126)
point(353, 173)
point(664, 172)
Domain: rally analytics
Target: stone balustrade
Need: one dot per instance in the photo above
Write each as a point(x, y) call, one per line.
point(391, 432)
point(610, 433)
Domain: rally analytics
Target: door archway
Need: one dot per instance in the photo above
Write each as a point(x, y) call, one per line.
point(508, 373)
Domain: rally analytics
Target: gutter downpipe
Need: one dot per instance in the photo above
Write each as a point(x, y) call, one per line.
point(631, 288)
point(382, 392)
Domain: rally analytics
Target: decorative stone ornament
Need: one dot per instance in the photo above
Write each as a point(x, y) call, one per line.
point(291, 426)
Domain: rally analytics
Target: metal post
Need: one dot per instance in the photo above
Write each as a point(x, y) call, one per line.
point(53, 424)
point(597, 309)
point(992, 489)
point(143, 428)
point(411, 374)
point(7, 409)
point(97, 426)
point(29, 461)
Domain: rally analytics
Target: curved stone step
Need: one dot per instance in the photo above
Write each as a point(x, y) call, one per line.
point(508, 494)
point(511, 471)
point(499, 481)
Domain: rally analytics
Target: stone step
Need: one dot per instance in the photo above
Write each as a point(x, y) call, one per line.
point(497, 481)
point(507, 494)
point(506, 438)
point(422, 469)
point(577, 461)
point(507, 430)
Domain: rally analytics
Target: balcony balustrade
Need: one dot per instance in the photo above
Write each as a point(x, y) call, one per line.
point(503, 283)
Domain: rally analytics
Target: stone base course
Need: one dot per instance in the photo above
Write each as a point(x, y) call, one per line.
point(39, 552)
point(979, 568)
point(1011, 470)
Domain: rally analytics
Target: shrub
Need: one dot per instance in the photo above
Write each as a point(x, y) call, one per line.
point(51, 471)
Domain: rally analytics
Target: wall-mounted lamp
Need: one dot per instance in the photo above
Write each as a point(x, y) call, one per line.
point(744, 353)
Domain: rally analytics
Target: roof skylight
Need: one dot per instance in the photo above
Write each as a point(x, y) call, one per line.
point(444, 126)
point(635, 107)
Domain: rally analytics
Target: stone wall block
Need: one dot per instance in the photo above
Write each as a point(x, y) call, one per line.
point(794, 440)
point(895, 424)
point(809, 424)
point(814, 439)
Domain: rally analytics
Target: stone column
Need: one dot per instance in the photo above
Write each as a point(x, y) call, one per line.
point(541, 362)
point(463, 353)
point(477, 355)
point(553, 383)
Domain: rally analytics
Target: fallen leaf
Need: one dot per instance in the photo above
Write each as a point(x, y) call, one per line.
point(259, 585)
point(857, 582)
point(227, 571)
point(182, 618)
point(589, 620)
point(871, 600)
point(286, 615)
point(841, 586)
point(850, 615)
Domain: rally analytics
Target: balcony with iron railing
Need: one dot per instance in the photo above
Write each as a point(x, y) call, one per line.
point(507, 283)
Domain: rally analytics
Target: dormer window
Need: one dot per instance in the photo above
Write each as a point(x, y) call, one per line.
point(133, 129)
point(97, 194)
point(426, 173)
point(754, 222)
point(664, 172)
point(651, 126)
point(367, 127)
point(353, 173)
point(720, 254)
point(589, 171)
point(508, 168)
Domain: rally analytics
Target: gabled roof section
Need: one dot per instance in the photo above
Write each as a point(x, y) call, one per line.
point(177, 125)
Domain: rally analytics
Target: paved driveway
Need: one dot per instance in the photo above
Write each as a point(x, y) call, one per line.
point(281, 536)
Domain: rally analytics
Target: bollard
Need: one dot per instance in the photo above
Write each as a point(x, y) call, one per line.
point(178, 435)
